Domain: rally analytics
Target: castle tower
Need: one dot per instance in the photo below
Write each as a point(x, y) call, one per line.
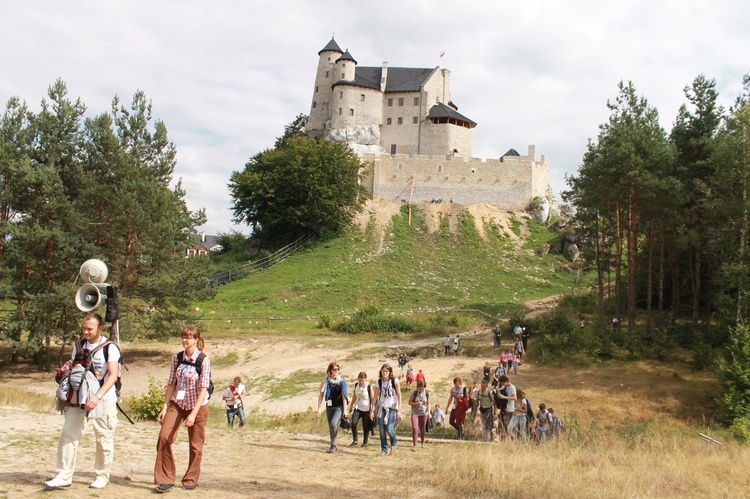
point(320, 110)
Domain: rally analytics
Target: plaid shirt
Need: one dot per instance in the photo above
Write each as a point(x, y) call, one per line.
point(186, 378)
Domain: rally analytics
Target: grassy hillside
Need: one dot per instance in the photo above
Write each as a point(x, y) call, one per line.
point(400, 266)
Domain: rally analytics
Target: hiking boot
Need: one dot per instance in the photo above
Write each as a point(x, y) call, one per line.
point(354, 444)
point(366, 444)
point(164, 487)
point(189, 487)
point(99, 483)
point(57, 483)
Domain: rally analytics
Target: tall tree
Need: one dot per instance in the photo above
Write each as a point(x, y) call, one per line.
point(621, 177)
point(727, 206)
point(693, 137)
point(137, 221)
point(46, 242)
point(307, 185)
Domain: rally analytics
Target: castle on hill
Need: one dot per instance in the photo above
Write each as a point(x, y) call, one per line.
point(407, 130)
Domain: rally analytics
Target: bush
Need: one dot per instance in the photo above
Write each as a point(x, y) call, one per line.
point(370, 318)
point(149, 405)
point(740, 430)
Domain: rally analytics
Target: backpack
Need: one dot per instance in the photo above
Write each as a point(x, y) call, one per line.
point(529, 411)
point(198, 365)
point(427, 395)
point(76, 378)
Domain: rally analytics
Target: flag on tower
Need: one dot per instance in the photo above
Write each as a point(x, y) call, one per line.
point(442, 54)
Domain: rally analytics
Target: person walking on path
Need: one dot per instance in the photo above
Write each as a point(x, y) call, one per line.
point(100, 409)
point(446, 344)
point(455, 345)
point(388, 407)
point(333, 391)
point(235, 406)
point(486, 398)
point(361, 409)
point(459, 397)
point(420, 413)
point(185, 401)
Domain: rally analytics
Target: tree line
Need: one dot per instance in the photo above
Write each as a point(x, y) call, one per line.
point(74, 187)
point(664, 218)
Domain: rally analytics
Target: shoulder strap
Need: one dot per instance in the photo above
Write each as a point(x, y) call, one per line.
point(199, 362)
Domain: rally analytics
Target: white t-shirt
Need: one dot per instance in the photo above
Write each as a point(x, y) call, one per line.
point(234, 400)
point(388, 395)
point(511, 392)
point(363, 397)
point(100, 368)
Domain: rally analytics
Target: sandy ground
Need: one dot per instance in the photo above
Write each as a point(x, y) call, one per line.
point(240, 461)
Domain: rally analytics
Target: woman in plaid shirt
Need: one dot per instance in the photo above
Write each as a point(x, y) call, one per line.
point(185, 401)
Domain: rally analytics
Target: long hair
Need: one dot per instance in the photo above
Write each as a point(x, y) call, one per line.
point(194, 332)
point(390, 371)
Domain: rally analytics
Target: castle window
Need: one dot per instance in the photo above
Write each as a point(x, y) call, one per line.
point(390, 102)
point(362, 97)
point(315, 104)
point(400, 101)
point(416, 101)
point(342, 76)
point(415, 120)
point(341, 95)
point(400, 121)
point(327, 74)
point(440, 168)
point(351, 112)
point(388, 121)
point(316, 89)
point(394, 148)
point(473, 170)
point(339, 111)
point(400, 166)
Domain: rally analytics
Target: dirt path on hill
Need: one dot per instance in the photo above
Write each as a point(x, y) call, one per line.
point(249, 463)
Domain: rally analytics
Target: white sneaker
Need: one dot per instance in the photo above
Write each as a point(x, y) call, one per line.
point(57, 483)
point(99, 483)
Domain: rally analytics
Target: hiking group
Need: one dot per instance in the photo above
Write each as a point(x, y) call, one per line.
point(505, 412)
point(89, 385)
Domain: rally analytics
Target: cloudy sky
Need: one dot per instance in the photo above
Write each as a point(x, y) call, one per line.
point(225, 77)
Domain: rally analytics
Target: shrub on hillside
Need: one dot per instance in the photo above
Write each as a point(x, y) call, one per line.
point(559, 337)
point(371, 318)
point(735, 375)
point(148, 405)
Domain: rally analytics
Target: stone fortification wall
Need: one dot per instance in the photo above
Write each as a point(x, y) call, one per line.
point(509, 184)
point(447, 138)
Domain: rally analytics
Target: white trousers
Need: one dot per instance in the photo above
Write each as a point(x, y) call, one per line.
point(73, 428)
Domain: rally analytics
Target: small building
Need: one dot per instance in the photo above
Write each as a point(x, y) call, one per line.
point(202, 246)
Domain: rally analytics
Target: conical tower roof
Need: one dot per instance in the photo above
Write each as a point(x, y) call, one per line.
point(346, 57)
point(332, 47)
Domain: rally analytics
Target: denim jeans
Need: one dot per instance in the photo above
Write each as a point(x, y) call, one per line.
point(334, 416)
point(388, 429)
point(519, 420)
point(238, 411)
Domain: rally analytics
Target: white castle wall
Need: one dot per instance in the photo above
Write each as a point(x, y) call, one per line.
point(509, 184)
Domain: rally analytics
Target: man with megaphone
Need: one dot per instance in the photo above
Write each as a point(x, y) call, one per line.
point(103, 358)
point(104, 419)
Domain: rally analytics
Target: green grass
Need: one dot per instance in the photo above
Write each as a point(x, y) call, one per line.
point(412, 269)
point(294, 384)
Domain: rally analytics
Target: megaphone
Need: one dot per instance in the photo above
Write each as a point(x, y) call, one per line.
point(94, 271)
point(89, 297)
